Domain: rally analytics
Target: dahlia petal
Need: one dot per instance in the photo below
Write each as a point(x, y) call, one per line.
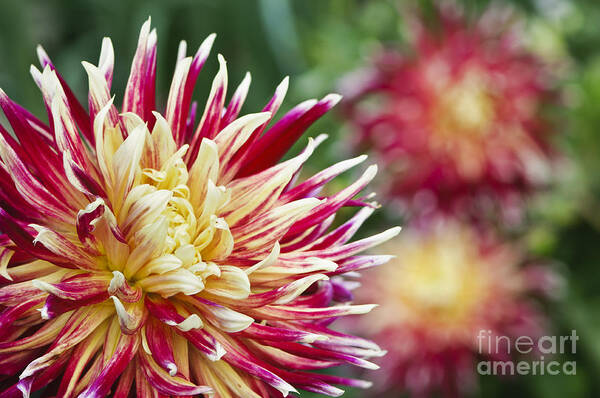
point(13, 294)
point(222, 317)
point(271, 226)
point(333, 203)
point(333, 379)
point(99, 94)
point(341, 252)
point(263, 332)
point(240, 357)
point(284, 359)
point(65, 129)
point(285, 269)
point(29, 187)
point(160, 265)
point(173, 282)
point(221, 245)
point(125, 382)
point(125, 164)
point(10, 315)
point(16, 146)
point(182, 104)
point(226, 381)
point(44, 336)
point(150, 241)
point(209, 124)
point(337, 339)
point(79, 178)
point(28, 135)
point(86, 225)
point(25, 386)
point(139, 92)
point(283, 294)
point(11, 199)
point(79, 325)
point(81, 116)
point(288, 119)
point(237, 100)
point(203, 341)
point(106, 140)
point(41, 129)
point(167, 384)
point(107, 60)
point(258, 193)
point(159, 341)
point(353, 351)
point(239, 159)
point(11, 364)
point(310, 235)
point(78, 287)
point(175, 107)
point(191, 119)
point(311, 186)
point(283, 134)
point(342, 290)
point(267, 261)
point(26, 242)
point(191, 322)
point(343, 233)
point(233, 283)
point(118, 286)
point(5, 255)
point(204, 169)
point(142, 208)
point(132, 317)
point(63, 248)
point(80, 358)
point(280, 312)
point(359, 263)
point(234, 135)
point(182, 353)
point(123, 354)
point(103, 227)
point(308, 382)
point(161, 145)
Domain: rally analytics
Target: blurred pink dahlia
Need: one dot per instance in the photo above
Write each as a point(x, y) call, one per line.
point(144, 249)
point(459, 122)
point(448, 283)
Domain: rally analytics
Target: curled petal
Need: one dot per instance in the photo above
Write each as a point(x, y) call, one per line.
point(166, 383)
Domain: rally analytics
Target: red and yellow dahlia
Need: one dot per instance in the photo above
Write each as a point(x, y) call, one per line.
point(459, 121)
point(448, 283)
point(140, 248)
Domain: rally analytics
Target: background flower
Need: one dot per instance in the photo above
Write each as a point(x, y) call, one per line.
point(458, 122)
point(448, 282)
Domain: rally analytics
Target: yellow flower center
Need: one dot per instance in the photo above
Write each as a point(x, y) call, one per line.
point(464, 108)
point(169, 215)
point(440, 282)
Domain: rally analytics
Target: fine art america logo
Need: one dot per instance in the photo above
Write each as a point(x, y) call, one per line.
point(499, 349)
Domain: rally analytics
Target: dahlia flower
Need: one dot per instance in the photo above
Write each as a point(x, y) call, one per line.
point(141, 248)
point(459, 122)
point(448, 283)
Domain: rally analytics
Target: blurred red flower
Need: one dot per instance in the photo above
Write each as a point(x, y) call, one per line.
point(458, 123)
point(449, 284)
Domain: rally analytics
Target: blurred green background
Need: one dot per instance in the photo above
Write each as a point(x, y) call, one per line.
point(316, 42)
